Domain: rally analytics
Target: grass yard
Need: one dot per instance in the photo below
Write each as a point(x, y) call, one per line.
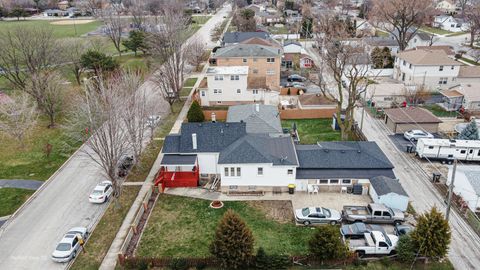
point(132, 62)
point(469, 61)
point(59, 31)
point(201, 19)
point(380, 33)
point(437, 31)
point(278, 30)
point(313, 130)
point(184, 227)
point(190, 82)
point(103, 235)
point(11, 199)
point(457, 34)
point(439, 111)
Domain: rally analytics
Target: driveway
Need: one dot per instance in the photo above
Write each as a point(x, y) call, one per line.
point(464, 252)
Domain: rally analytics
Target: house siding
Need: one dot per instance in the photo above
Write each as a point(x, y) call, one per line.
point(392, 200)
point(260, 65)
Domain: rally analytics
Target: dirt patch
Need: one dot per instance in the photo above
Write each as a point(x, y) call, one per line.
point(71, 22)
point(280, 211)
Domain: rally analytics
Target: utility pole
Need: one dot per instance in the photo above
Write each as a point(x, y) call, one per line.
point(450, 190)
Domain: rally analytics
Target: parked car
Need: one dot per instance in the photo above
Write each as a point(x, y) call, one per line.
point(373, 243)
point(415, 134)
point(358, 229)
point(402, 229)
point(373, 213)
point(296, 78)
point(317, 215)
point(124, 165)
point(101, 193)
point(70, 245)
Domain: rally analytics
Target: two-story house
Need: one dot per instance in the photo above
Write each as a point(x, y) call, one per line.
point(263, 62)
point(431, 68)
point(450, 23)
point(231, 85)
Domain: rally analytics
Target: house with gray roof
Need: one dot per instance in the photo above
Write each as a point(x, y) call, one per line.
point(467, 184)
point(388, 191)
point(258, 117)
point(232, 38)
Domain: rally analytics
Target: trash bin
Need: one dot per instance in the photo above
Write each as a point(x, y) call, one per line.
point(436, 177)
point(409, 149)
point(291, 189)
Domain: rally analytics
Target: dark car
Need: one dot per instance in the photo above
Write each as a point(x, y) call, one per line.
point(296, 78)
point(402, 229)
point(124, 165)
point(356, 230)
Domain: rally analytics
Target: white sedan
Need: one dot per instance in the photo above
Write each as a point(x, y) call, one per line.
point(70, 244)
point(415, 134)
point(317, 215)
point(101, 192)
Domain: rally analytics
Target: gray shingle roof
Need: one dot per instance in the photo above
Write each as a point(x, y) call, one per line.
point(237, 37)
point(474, 178)
point(384, 185)
point(174, 159)
point(248, 50)
point(211, 137)
point(342, 173)
point(342, 155)
point(260, 148)
point(266, 120)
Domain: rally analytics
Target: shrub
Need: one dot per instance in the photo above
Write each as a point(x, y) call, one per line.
point(406, 248)
point(264, 261)
point(200, 266)
point(178, 264)
point(327, 243)
point(233, 242)
point(195, 113)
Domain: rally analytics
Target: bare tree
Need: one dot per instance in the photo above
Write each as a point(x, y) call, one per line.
point(114, 27)
point(463, 5)
point(343, 74)
point(138, 11)
point(18, 117)
point(168, 46)
point(475, 54)
point(93, 7)
point(416, 95)
point(401, 18)
point(217, 32)
point(48, 90)
point(72, 51)
point(197, 53)
point(473, 17)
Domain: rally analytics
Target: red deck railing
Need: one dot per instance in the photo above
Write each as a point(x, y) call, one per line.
point(176, 178)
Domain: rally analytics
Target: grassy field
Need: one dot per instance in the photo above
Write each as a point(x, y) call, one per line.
point(278, 30)
point(469, 61)
point(184, 227)
point(11, 199)
point(59, 31)
point(201, 19)
point(133, 62)
point(313, 130)
point(439, 111)
point(437, 31)
point(103, 235)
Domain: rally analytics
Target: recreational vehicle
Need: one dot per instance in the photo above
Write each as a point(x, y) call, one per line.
point(447, 150)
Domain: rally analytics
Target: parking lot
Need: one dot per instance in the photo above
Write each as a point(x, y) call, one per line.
point(401, 143)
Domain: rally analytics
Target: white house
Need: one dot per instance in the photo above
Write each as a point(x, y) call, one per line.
point(467, 184)
point(383, 95)
point(446, 6)
point(450, 23)
point(432, 68)
point(389, 192)
point(419, 39)
point(471, 95)
point(230, 85)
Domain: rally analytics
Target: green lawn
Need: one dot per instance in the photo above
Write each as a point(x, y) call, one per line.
point(59, 31)
point(456, 34)
point(278, 30)
point(439, 111)
point(313, 130)
point(133, 62)
point(201, 19)
point(11, 199)
point(190, 82)
point(470, 61)
point(437, 31)
point(184, 227)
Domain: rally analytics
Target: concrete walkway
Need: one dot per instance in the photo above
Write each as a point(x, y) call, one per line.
point(24, 184)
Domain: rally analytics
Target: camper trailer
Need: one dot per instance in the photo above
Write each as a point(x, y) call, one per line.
point(448, 150)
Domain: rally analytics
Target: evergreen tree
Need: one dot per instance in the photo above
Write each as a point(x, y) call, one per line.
point(233, 242)
point(377, 57)
point(307, 28)
point(98, 62)
point(406, 248)
point(432, 235)
point(135, 42)
point(388, 58)
point(327, 243)
point(266, 262)
point(195, 113)
point(18, 12)
point(470, 132)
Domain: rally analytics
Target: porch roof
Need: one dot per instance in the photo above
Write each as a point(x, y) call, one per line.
point(451, 93)
point(174, 159)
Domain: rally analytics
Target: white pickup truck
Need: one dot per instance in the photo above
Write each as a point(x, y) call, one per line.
point(373, 243)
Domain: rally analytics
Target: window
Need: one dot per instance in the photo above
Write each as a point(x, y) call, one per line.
point(252, 187)
point(255, 71)
point(255, 91)
point(270, 72)
point(440, 68)
point(430, 147)
point(290, 172)
point(203, 93)
point(259, 171)
point(346, 181)
point(386, 214)
point(382, 244)
point(232, 171)
point(219, 102)
point(244, 60)
point(234, 77)
point(217, 91)
point(239, 91)
point(463, 151)
point(443, 80)
point(334, 181)
point(226, 171)
point(239, 171)
point(218, 77)
point(233, 187)
point(323, 181)
point(404, 62)
point(270, 60)
point(452, 68)
point(377, 213)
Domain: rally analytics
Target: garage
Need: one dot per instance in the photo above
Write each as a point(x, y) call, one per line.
point(400, 120)
point(388, 191)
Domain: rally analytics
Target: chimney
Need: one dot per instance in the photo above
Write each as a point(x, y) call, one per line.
point(194, 141)
point(257, 107)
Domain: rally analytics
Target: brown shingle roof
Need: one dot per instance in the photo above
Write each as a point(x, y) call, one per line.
point(447, 49)
point(428, 58)
point(451, 93)
point(261, 41)
point(314, 99)
point(411, 115)
point(469, 72)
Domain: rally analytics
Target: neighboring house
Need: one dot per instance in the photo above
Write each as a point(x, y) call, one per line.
point(259, 118)
point(446, 6)
point(263, 61)
point(362, 64)
point(381, 42)
point(267, 18)
point(469, 74)
point(450, 23)
point(292, 46)
point(333, 165)
point(467, 185)
point(420, 39)
point(55, 13)
point(388, 191)
point(231, 85)
point(63, 5)
point(256, 8)
point(295, 56)
point(452, 100)
point(383, 95)
point(400, 120)
point(365, 29)
point(470, 96)
point(292, 16)
point(233, 38)
point(432, 68)
point(264, 42)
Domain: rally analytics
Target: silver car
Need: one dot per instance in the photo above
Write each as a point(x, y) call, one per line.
point(415, 134)
point(317, 215)
point(70, 245)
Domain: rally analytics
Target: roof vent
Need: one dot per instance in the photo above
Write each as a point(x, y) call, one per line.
point(194, 141)
point(358, 151)
point(326, 150)
point(343, 151)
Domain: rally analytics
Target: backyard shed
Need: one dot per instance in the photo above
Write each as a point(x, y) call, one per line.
point(388, 191)
point(400, 120)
